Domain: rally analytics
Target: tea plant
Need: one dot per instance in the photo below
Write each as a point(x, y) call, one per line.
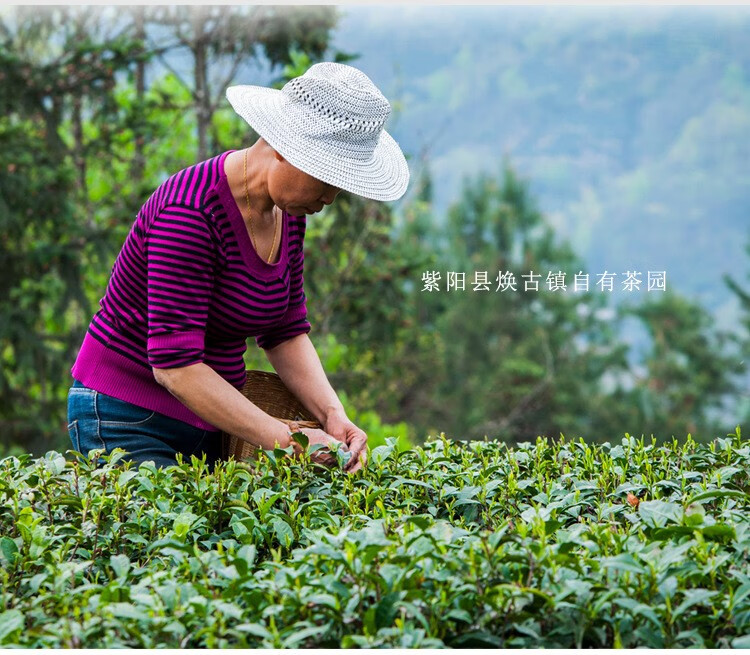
point(557, 544)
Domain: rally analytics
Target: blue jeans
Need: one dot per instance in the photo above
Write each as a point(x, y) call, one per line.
point(96, 420)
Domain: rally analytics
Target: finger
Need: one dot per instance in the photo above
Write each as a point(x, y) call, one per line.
point(357, 445)
point(357, 460)
point(352, 460)
point(356, 435)
point(340, 436)
point(363, 440)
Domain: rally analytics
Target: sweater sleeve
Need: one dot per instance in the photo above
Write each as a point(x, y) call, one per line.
point(180, 260)
point(294, 321)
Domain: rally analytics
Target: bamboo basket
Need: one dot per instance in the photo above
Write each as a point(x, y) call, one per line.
point(267, 391)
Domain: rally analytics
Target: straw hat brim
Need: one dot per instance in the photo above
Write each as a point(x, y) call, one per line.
point(284, 125)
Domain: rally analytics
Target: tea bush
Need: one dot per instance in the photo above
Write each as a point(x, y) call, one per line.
point(459, 544)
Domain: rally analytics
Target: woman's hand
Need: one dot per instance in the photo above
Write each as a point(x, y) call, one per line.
point(323, 455)
point(338, 425)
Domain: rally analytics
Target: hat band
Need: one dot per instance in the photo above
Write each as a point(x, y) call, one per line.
point(296, 92)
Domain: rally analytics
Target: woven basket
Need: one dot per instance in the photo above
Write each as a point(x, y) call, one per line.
point(267, 391)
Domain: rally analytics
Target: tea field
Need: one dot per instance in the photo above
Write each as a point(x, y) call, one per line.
point(555, 544)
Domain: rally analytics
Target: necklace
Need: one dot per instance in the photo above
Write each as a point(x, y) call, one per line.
point(252, 233)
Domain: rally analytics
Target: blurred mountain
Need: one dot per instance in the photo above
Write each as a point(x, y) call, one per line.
point(632, 124)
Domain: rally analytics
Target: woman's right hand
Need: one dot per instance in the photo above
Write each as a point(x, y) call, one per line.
point(323, 455)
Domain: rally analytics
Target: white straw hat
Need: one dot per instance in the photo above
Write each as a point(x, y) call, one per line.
point(329, 124)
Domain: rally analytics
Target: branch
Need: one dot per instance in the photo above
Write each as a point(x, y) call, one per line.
point(214, 104)
point(174, 72)
point(539, 387)
point(345, 275)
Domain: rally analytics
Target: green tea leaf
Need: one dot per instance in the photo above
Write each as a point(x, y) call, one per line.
point(283, 531)
point(712, 494)
point(657, 513)
point(8, 548)
point(693, 597)
point(386, 609)
point(120, 565)
point(183, 522)
point(623, 562)
point(10, 621)
point(635, 607)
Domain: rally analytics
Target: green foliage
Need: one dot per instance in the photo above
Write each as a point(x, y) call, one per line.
point(334, 357)
point(47, 233)
point(95, 123)
point(690, 366)
point(84, 140)
point(355, 273)
point(743, 296)
point(634, 129)
point(555, 544)
point(514, 364)
point(509, 363)
point(378, 432)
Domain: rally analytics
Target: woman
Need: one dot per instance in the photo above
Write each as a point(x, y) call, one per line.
point(215, 256)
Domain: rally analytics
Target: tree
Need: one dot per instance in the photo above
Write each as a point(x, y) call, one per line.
point(743, 295)
point(87, 132)
point(217, 40)
point(55, 77)
point(517, 364)
point(689, 370)
point(514, 363)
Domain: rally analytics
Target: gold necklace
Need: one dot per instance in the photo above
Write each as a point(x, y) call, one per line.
point(252, 233)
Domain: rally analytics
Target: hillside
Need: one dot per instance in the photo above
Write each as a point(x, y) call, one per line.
point(632, 124)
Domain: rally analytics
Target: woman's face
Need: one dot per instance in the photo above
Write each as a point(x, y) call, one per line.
point(295, 191)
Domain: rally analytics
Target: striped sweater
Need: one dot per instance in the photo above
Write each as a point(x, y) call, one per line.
point(188, 287)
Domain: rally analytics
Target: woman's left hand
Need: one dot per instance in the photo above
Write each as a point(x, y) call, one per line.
point(341, 428)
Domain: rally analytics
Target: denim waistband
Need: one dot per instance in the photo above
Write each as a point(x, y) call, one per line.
point(179, 425)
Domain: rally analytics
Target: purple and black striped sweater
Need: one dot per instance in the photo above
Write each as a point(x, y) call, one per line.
point(188, 287)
